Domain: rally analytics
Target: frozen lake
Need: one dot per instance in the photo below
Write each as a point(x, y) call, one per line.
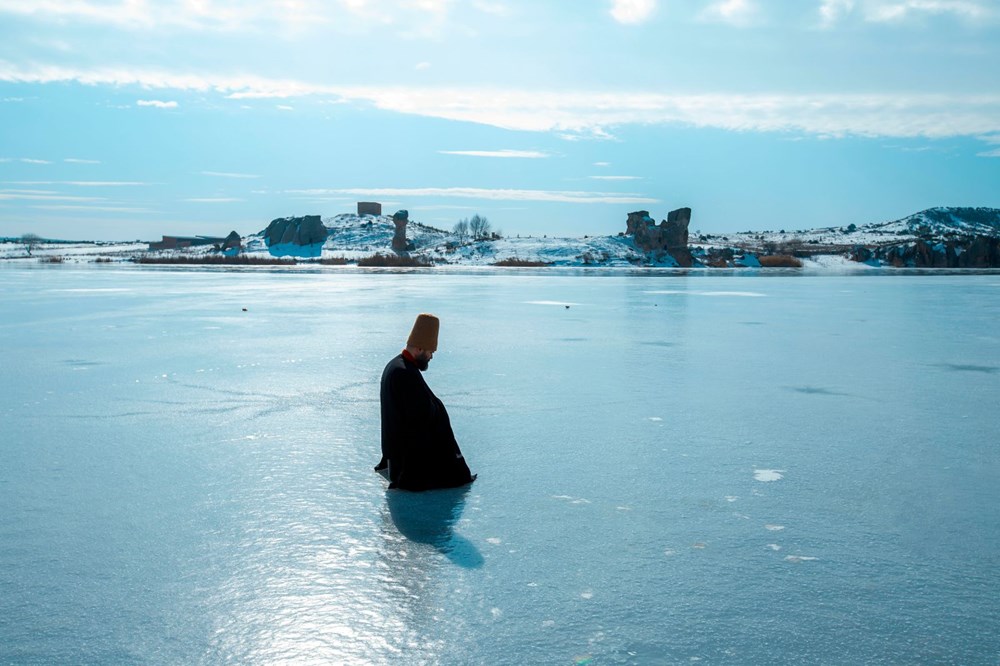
point(701, 468)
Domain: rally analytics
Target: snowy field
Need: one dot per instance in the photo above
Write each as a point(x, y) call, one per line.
point(674, 468)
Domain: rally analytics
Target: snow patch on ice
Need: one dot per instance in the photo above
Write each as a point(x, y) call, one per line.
point(767, 475)
point(774, 528)
point(677, 292)
point(795, 559)
point(773, 546)
point(571, 499)
point(550, 303)
point(494, 540)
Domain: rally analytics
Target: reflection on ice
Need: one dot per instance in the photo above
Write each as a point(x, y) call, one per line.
point(429, 517)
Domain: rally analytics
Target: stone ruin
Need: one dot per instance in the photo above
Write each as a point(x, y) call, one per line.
point(369, 208)
point(400, 218)
point(670, 236)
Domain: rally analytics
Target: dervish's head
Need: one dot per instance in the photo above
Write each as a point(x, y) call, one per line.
point(423, 340)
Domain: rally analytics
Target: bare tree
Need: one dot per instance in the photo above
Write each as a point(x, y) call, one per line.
point(479, 227)
point(31, 241)
point(461, 229)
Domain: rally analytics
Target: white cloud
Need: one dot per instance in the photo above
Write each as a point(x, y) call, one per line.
point(104, 183)
point(602, 164)
point(830, 11)
point(735, 12)
point(420, 66)
point(491, 194)
point(990, 153)
point(524, 154)
point(631, 12)
point(30, 160)
point(228, 174)
point(882, 11)
point(76, 183)
point(159, 104)
point(616, 177)
point(285, 107)
point(74, 160)
point(213, 200)
point(590, 113)
point(189, 14)
point(30, 195)
point(103, 209)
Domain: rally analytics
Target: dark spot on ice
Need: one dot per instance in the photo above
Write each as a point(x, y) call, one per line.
point(813, 390)
point(965, 367)
point(572, 339)
point(659, 344)
point(77, 363)
point(752, 323)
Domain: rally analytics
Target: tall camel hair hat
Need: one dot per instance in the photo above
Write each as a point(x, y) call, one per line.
point(425, 332)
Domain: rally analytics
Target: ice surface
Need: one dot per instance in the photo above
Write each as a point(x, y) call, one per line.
point(183, 481)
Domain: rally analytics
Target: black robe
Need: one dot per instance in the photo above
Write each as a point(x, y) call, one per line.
point(418, 445)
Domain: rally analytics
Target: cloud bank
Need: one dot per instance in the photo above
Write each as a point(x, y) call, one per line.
point(589, 113)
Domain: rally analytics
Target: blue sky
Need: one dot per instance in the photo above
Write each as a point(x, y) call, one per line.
point(130, 119)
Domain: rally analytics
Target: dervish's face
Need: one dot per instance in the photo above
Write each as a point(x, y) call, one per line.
point(423, 357)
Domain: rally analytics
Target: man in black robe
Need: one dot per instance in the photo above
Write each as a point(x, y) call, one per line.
point(419, 451)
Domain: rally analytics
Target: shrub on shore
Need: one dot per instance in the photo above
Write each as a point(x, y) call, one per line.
point(215, 260)
point(333, 261)
point(392, 261)
point(780, 261)
point(53, 259)
point(520, 263)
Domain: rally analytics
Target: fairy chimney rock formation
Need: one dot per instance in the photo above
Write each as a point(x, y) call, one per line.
point(400, 218)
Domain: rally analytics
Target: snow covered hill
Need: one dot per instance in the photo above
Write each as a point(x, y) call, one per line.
point(948, 232)
point(353, 237)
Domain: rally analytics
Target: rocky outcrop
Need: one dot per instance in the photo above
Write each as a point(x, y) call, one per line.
point(975, 252)
point(233, 241)
point(295, 236)
point(232, 245)
point(670, 236)
point(400, 218)
point(306, 230)
point(637, 219)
